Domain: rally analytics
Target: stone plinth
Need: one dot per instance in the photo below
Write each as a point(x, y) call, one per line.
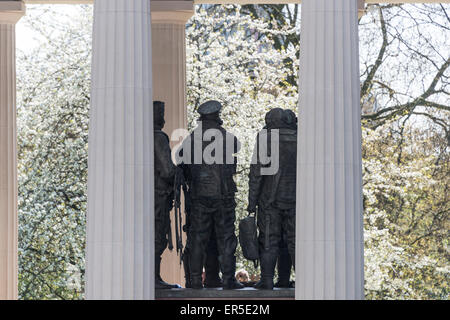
point(219, 294)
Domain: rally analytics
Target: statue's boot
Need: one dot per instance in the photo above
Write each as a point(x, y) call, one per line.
point(258, 285)
point(159, 283)
point(268, 261)
point(292, 256)
point(212, 269)
point(284, 264)
point(230, 283)
point(196, 281)
point(228, 270)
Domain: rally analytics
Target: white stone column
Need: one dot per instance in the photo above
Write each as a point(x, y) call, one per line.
point(169, 85)
point(329, 252)
point(120, 221)
point(10, 13)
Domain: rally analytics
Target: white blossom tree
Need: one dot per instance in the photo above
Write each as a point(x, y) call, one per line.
point(247, 57)
point(53, 104)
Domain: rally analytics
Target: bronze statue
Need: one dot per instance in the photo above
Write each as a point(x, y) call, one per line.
point(284, 262)
point(208, 165)
point(211, 264)
point(164, 183)
point(211, 277)
point(273, 195)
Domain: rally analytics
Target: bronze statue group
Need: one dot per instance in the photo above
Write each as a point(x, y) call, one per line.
point(209, 194)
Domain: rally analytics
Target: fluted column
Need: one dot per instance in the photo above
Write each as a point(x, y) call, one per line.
point(169, 85)
point(120, 221)
point(10, 13)
point(329, 252)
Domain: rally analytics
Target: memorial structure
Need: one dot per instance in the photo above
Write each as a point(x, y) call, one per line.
point(135, 40)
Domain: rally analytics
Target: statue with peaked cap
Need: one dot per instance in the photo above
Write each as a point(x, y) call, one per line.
point(164, 180)
point(208, 166)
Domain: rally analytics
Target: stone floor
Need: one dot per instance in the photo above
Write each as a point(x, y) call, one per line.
point(219, 294)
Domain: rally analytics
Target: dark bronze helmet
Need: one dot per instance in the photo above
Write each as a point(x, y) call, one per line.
point(290, 118)
point(158, 115)
point(274, 118)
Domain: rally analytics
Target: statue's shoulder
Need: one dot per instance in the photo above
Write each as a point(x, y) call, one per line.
point(288, 131)
point(230, 135)
point(264, 132)
point(159, 134)
point(288, 135)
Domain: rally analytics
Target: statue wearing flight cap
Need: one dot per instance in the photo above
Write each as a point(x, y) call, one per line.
point(164, 180)
point(274, 195)
point(208, 165)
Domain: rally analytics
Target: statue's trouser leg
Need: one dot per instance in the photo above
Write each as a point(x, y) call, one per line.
point(269, 226)
point(200, 231)
point(284, 264)
point(224, 226)
point(162, 225)
point(186, 264)
point(212, 267)
point(289, 229)
point(187, 252)
point(162, 222)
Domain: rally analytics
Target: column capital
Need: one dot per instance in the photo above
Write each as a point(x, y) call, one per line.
point(177, 12)
point(11, 11)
